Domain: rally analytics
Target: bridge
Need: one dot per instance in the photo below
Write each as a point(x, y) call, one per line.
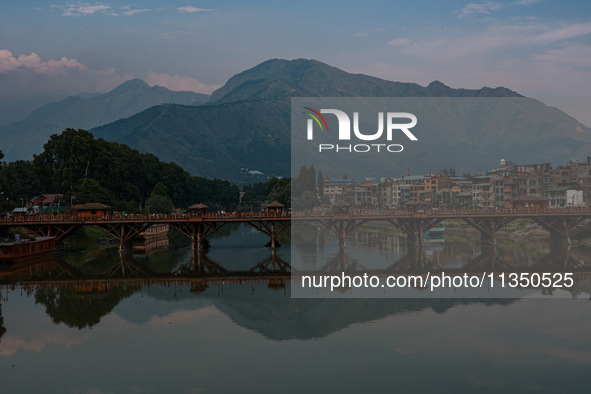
point(559, 222)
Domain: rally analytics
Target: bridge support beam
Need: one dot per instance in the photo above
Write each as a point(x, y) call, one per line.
point(198, 232)
point(272, 229)
point(488, 227)
point(342, 228)
point(559, 227)
point(416, 228)
point(58, 230)
point(124, 232)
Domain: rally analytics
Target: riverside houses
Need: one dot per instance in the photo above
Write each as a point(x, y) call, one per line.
point(511, 186)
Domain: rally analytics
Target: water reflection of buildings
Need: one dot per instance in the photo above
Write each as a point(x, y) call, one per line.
point(150, 246)
point(153, 239)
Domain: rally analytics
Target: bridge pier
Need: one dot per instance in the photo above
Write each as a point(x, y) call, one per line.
point(414, 262)
point(124, 232)
point(416, 228)
point(559, 227)
point(198, 231)
point(488, 227)
point(270, 229)
point(342, 228)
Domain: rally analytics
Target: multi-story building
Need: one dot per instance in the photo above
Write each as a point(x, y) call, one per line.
point(565, 196)
point(535, 179)
point(385, 193)
point(333, 188)
point(483, 192)
point(363, 195)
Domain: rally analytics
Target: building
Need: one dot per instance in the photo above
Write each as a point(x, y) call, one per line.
point(93, 210)
point(198, 209)
point(566, 196)
point(333, 188)
point(531, 203)
point(483, 191)
point(364, 195)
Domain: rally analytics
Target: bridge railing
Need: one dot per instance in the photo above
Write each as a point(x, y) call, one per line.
point(438, 212)
point(238, 216)
point(310, 215)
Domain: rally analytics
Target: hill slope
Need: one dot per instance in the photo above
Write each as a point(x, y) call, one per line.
point(24, 138)
point(246, 125)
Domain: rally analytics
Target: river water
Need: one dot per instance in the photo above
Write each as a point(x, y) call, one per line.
point(158, 326)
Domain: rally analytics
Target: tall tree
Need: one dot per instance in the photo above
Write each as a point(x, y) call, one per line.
point(320, 183)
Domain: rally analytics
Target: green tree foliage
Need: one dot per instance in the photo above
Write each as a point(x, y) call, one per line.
point(159, 200)
point(95, 170)
point(64, 306)
point(279, 189)
point(305, 191)
point(160, 204)
point(305, 181)
point(276, 189)
point(18, 180)
point(320, 183)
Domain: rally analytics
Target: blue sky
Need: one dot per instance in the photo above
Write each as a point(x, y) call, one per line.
point(536, 47)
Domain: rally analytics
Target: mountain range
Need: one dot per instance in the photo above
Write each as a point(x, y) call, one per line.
point(242, 132)
point(22, 139)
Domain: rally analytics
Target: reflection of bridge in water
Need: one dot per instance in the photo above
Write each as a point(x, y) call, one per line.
point(558, 222)
point(492, 260)
point(200, 272)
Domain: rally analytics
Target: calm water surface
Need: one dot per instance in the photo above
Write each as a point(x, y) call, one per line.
point(251, 336)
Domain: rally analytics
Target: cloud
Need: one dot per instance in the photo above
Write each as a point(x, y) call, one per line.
point(190, 9)
point(128, 11)
point(29, 76)
point(480, 8)
point(495, 42)
point(183, 317)
point(533, 58)
point(179, 83)
point(85, 9)
point(399, 42)
point(562, 33)
point(489, 6)
point(33, 62)
point(573, 55)
point(80, 9)
point(56, 335)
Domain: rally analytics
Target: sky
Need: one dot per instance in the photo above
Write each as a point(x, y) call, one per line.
point(540, 48)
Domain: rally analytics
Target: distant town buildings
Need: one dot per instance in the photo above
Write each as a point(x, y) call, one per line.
point(511, 185)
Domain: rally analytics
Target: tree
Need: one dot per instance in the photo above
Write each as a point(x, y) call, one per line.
point(279, 189)
point(159, 202)
point(91, 191)
point(320, 183)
